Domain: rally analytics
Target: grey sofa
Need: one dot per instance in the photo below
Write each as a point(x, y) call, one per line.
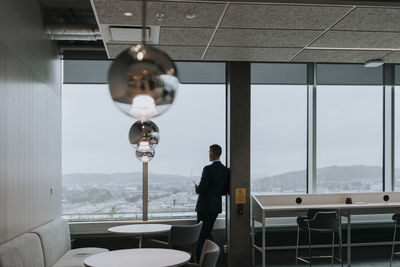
point(46, 246)
point(23, 251)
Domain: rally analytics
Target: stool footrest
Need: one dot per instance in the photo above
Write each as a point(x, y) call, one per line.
point(304, 259)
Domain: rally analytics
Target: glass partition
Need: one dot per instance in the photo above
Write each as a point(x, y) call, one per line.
point(278, 138)
point(102, 179)
point(349, 138)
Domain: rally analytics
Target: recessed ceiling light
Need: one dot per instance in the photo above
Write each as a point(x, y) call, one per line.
point(160, 16)
point(191, 16)
point(373, 63)
point(128, 14)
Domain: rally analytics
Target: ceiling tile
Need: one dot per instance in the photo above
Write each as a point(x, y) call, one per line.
point(115, 49)
point(249, 54)
point(281, 16)
point(175, 52)
point(392, 57)
point(185, 36)
point(264, 38)
point(352, 39)
point(159, 13)
point(371, 19)
point(338, 56)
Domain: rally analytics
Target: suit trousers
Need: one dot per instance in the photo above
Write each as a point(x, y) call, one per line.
point(205, 233)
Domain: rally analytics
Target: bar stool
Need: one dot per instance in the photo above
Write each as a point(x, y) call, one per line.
point(322, 221)
point(396, 219)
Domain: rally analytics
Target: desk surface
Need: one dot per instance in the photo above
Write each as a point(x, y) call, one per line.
point(363, 203)
point(356, 205)
point(140, 228)
point(139, 257)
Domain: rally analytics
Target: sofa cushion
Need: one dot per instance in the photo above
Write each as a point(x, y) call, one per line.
point(23, 251)
point(75, 257)
point(56, 240)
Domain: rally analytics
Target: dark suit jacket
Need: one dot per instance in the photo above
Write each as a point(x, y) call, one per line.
point(214, 183)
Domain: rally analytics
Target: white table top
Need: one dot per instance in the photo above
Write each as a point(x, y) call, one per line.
point(140, 228)
point(138, 257)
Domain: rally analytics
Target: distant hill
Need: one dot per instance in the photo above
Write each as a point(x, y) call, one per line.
point(331, 173)
point(344, 173)
point(119, 178)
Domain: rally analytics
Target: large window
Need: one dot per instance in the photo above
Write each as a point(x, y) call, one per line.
point(278, 138)
point(349, 138)
point(102, 179)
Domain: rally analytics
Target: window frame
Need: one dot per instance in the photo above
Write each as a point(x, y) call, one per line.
point(212, 73)
point(391, 77)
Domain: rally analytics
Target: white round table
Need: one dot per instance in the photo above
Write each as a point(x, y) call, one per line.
point(138, 257)
point(140, 229)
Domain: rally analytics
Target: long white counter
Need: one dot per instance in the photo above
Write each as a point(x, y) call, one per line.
point(267, 206)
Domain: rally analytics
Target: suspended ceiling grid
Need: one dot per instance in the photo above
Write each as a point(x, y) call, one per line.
point(255, 31)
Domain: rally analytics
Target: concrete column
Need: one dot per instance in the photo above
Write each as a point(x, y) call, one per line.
point(238, 160)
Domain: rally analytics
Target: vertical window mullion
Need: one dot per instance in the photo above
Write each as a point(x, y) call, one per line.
point(388, 128)
point(314, 127)
point(311, 128)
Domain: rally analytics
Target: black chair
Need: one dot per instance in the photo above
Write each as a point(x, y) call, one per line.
point(181, 237)
point(396, 219)
point(321, 221)
point(209, 255)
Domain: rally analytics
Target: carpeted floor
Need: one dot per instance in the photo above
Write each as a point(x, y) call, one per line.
point(361, 257)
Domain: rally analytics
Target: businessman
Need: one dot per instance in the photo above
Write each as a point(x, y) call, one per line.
point(214, 183)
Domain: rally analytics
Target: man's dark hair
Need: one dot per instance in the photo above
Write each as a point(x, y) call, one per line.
point(216, 149)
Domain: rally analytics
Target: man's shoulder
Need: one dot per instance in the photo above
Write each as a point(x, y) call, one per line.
point(208, 166)
point(216, 165)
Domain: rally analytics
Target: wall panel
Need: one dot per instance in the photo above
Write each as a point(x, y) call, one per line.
point(31, 149)
point(3, 151)
point(30, 121)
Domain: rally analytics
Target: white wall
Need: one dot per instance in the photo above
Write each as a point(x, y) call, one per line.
point(30, 121)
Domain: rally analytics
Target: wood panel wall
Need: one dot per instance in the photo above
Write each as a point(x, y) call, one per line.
point(30, 121)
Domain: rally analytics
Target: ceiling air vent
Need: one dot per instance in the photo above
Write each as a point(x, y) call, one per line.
point(134, 34)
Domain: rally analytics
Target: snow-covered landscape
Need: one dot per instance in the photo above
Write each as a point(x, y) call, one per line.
point(118, 196)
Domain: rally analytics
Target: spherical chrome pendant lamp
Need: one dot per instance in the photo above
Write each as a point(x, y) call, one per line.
point(143, 79)
point(144, 135)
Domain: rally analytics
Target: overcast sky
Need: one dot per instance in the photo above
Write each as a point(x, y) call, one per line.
point(95, 132)
point(349, 127)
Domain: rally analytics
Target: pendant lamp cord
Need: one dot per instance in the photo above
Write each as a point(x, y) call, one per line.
point(144, 11)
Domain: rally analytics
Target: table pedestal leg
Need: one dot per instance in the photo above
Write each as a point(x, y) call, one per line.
point(140, 241)
point(349, 240)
